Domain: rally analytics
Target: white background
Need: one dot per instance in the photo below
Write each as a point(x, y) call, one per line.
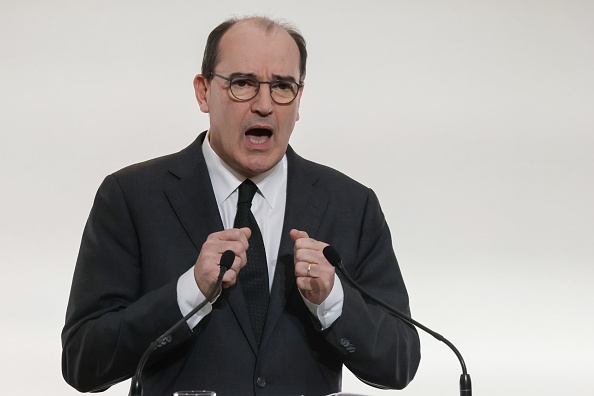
point(472, 120)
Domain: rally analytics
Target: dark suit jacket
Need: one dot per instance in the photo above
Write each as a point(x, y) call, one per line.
point(146, 228)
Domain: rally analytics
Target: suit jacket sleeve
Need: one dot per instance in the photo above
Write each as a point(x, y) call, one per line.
point(110, 319)
point(381, 350)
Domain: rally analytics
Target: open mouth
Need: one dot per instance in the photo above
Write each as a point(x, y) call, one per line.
point(258, 135)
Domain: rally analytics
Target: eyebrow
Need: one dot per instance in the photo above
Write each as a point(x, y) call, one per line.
point(275, 77)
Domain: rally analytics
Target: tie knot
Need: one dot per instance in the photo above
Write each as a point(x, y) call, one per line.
point(246, 193)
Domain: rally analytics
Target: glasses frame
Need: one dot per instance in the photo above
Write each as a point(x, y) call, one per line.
point(230, 81)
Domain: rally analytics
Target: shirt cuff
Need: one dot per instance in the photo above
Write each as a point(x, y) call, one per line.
point(331, 308)
point(189, 296)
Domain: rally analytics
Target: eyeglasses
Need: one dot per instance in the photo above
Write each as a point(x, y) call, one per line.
point(245, 88)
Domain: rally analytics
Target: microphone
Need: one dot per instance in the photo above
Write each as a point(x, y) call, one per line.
point(334, 258)
point(226, 262)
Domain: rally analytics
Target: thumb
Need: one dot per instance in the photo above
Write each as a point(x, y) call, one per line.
point(296, 234)
point(246, 231)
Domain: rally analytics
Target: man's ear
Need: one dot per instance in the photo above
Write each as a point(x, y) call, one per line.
point(202, 90)
point(298, 99)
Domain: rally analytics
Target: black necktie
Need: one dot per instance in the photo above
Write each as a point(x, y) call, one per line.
point(254, 276)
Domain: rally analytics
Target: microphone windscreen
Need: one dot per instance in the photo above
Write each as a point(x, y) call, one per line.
point(331, 255)
point(227, 259)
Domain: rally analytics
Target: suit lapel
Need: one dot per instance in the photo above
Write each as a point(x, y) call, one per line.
point(192, 197)
point(193, 201)
point(304, 209)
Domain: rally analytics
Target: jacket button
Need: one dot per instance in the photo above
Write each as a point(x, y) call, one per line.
point(261, 382)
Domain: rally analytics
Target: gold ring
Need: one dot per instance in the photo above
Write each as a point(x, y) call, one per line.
point(308, 269)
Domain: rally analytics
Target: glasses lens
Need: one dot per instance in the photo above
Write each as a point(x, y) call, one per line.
point(244, 88)
point(284, 91)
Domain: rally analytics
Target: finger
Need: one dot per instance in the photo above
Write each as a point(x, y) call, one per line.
point(229, 279)
point(235, 234)
point(309, 255)
point(305, 284)
point(312, 270)
point(246, 231)
point(310, 243)
point(239, 262)
point(215, 246)
point(231, 234)
point(304, 269)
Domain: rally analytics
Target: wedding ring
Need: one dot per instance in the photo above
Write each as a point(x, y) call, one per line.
point(308, 269)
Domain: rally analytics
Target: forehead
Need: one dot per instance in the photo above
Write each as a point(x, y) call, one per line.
point(250, 48)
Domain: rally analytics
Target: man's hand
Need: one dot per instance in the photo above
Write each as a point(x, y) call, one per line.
point(315, 275)
point(206, 269)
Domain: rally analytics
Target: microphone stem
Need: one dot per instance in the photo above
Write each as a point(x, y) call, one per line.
point(465, 383)
point(136, 385)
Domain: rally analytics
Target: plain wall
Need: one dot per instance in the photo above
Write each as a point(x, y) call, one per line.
point(472, 120)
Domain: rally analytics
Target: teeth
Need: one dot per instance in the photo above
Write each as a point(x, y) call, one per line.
point(257, 139)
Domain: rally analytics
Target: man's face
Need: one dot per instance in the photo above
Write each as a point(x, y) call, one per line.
point(250, 136)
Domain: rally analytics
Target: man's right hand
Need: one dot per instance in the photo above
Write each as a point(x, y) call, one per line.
point(206, 269)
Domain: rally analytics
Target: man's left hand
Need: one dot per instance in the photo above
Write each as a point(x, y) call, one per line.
point(315, 275)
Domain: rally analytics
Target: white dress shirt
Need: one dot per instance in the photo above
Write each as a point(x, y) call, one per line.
point(268, 207)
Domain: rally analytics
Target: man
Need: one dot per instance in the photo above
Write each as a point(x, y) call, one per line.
point(153, 243)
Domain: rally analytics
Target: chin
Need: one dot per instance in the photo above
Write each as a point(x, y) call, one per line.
point(256, 169)
point(261, 165)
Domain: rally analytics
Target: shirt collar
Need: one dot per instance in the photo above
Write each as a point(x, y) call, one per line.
point(225, 179)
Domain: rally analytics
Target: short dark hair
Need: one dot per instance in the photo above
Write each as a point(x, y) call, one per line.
point(211, 51)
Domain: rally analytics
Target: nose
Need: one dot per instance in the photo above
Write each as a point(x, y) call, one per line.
point(262, 103)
